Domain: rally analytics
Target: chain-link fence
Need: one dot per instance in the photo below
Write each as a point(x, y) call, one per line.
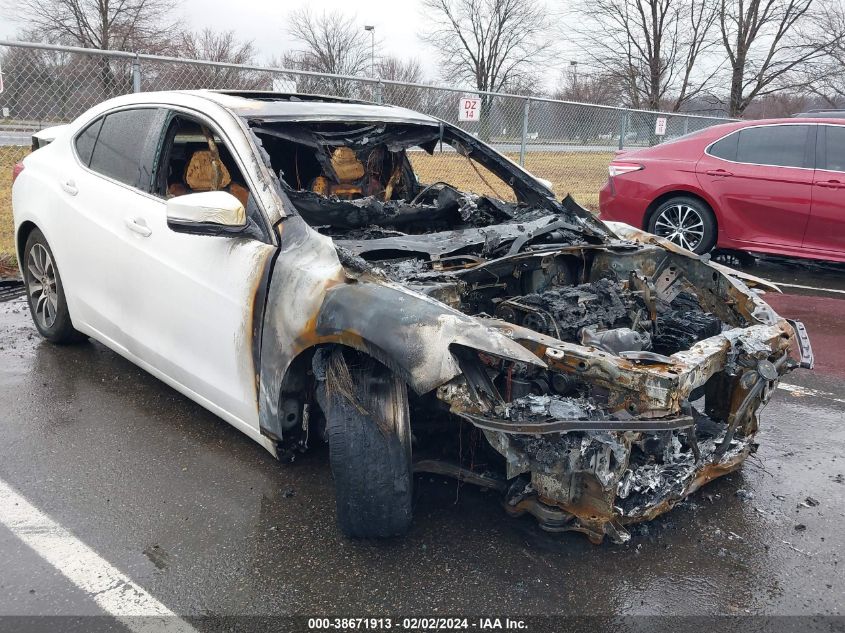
point(567, 143)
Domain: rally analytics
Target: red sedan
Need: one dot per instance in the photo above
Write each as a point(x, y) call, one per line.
point(775, 186)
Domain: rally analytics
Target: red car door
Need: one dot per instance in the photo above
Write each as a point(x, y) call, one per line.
point(761, 181)
point(826, 228)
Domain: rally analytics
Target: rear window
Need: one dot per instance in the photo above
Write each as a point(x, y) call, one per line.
point(779, 145)
point(725, 148)
point(126, 145)
point(85, 141)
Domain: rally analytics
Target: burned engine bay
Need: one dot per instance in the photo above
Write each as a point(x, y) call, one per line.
point(649, 364)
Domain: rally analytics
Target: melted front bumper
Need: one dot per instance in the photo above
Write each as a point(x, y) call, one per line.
point(670, 427)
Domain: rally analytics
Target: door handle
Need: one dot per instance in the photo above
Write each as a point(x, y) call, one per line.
point(718, 172)
point(137, 225)
point(830, 184)
point(69, 186)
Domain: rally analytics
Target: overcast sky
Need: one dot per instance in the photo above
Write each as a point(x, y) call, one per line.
point(397, 24)
point(396, 21)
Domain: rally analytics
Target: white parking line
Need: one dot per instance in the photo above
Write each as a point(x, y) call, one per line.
point(833, 290)
point(112, 590)
point(797, 390)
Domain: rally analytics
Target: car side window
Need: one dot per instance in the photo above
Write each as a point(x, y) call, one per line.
point(126, 144)
point(778, 145)
point(85, 141)
point(834, 148)
point(725, 148)
point(195, 158)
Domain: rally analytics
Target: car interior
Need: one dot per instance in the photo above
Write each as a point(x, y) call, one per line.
point(194, 160)
point(398, 177)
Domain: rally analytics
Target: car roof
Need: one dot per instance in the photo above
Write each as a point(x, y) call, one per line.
point(303, 107)
point(788, 121)
point(799, 119)
point(723, 128)
point(825, 114)
point(272, 106)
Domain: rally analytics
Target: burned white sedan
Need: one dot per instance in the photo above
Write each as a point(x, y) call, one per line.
point(312, 269)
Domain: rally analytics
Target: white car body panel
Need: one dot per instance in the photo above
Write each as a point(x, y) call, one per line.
point(47, 135)
point(175, 304)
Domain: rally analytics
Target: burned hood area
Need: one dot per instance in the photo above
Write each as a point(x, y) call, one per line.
point(647, 366)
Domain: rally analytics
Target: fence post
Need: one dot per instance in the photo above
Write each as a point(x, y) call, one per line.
point(136, 74)
point(686, 125)
point(525, 108)
point(623, 128)
point(379, 92)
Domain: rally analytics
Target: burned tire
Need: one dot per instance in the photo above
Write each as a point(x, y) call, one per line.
point(45, 292)
point(367, 422)
point(686, 221)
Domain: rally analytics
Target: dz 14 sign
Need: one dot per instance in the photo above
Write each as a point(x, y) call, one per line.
point(470, 109)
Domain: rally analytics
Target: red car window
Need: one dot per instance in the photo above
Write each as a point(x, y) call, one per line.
point(835, 146)
point(780, 145)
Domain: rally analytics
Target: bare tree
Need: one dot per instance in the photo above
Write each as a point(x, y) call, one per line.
point(654, 48)
point(397, 69)
point(829, 84)
point(774, 45)
point(409, 71)
point(215, 46)
point(332, 43)
point(489, 44)
point(45, 85)
point(587, 87)
point(779, 105)
point(127, 25)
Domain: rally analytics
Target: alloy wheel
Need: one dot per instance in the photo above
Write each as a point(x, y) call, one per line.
point(681, 224)
point(42, 285)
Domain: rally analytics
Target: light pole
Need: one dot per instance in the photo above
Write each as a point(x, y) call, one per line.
point(573, 64)
point(372, 30)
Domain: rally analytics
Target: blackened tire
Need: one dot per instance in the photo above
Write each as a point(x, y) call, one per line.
point(687, 221)
point(45, 292)
point(370, 452)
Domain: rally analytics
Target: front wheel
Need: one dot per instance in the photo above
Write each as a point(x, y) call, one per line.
point(368, 425)
point(686, 221)
point(45, 292)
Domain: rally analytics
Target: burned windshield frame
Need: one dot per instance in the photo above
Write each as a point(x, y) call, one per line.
point(526, 188)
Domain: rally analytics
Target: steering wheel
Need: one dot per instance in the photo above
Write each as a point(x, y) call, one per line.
point(425, 190)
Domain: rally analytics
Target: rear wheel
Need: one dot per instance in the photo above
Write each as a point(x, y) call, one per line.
point(686, 221)
point(45, 292)
point(368, 425)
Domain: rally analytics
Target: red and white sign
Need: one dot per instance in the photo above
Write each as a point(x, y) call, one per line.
point(660, 126)
point(470, 109)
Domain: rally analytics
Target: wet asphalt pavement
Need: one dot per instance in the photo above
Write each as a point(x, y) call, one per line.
point(211, 525)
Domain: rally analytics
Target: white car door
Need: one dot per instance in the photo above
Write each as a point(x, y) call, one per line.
point(192, 310)
point(103, 185)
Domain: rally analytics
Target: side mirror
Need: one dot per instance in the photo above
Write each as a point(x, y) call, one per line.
point(207, 212)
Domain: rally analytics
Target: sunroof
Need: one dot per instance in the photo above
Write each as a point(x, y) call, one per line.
point(262, 95)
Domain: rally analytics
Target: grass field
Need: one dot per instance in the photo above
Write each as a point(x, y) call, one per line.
point(8, 157)
point(579, 173)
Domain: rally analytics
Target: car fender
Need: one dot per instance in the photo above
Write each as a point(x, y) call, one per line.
point(33, 202)
point(314, 299)
point(628, 232)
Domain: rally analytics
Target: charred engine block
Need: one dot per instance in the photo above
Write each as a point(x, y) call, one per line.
point(563, 311)
point(683, 325)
